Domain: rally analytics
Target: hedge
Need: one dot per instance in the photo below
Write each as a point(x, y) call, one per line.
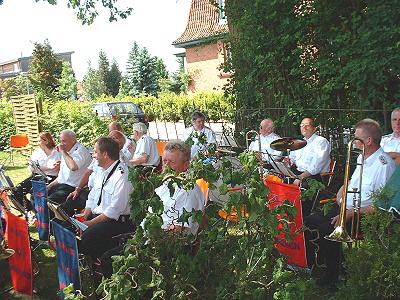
point(79, 116)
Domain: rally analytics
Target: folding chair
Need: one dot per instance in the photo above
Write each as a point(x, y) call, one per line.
point(326, 179)
point(18, 142)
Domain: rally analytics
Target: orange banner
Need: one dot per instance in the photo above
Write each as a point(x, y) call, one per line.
point(295, 249)
point(20, 263)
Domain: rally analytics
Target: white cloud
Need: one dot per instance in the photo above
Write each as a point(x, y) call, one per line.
point(154, 24)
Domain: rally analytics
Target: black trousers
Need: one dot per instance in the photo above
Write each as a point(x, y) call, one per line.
point(24, 188)
point(59, 194)
point(318, 226)
point(306, 206)
point(98, 239)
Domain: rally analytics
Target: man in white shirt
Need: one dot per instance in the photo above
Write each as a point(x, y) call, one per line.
point(378, 168)
point(107, 208)
point(198, 132)
point(146, 152)
point(312, 159)
point(75, 158)
point(391, 143)
point(176, 155)
point(267, 136)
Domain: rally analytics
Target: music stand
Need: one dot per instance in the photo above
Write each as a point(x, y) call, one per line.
point(37, 170)
point(60, 214)
point(281, 168)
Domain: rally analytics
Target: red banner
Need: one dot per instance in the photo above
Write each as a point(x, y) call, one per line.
point(20, 262)
point(295, 249)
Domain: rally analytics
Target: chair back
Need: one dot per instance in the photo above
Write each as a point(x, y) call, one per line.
point(161, 146)
point(19, 140)
point(203, 187)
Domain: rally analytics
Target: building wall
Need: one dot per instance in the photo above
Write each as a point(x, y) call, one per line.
point(203, 64)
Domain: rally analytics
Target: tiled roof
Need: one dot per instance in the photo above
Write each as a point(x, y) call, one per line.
point(203, 23)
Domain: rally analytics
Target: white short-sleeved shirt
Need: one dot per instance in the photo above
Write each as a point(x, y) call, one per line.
point(41, 158)
point(378, 168)
point(82, 158)
point(115, 194)
point(95, 168)
point(210, 135)
point(147, 145)
point(126, 153)
point(181, 199)
point(265, 146)
point(314, 157)
point(390, 143)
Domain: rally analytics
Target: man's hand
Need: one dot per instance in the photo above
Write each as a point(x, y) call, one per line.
point(297, 182)
point(75, 194)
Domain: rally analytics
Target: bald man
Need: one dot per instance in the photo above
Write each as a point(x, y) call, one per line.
point(75, 159)
point(267, 136)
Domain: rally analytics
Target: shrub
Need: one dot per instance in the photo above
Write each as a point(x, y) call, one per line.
point(7, 124)
point(74, 115)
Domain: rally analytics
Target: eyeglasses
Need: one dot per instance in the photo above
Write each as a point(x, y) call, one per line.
point(305, 125)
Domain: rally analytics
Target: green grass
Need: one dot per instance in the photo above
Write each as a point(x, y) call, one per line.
point(18, 170)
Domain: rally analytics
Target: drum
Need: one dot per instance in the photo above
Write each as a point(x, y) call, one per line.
point(214, 195)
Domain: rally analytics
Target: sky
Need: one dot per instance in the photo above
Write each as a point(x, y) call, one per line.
point(153, 24)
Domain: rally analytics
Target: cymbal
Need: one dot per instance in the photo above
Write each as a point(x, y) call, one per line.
point(225, 151)
point(288, 143)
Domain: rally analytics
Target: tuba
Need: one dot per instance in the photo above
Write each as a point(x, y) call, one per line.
point(340, 234)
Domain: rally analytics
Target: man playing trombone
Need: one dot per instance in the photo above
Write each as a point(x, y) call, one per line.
point(375, 167)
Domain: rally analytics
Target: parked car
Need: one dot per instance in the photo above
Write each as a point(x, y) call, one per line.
point(124, 111)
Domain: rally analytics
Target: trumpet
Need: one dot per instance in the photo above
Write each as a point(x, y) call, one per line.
point(340, 234)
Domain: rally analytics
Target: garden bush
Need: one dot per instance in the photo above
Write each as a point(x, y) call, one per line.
point(79, 116)
point(7, 124)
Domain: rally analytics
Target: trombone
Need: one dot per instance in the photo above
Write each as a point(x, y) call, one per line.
point(340, 234)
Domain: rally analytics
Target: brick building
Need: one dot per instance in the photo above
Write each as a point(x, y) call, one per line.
point(205, 50)
point(13, 68)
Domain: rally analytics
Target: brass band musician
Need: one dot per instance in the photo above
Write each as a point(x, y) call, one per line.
point(377, 169)
point(312, 159)
point(391, 142)
point(266, 137)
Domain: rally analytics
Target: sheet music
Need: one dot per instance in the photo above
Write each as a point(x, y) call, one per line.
point(60, 214)
point(281, 168)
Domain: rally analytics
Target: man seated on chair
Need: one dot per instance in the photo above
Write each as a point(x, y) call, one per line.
point(313, 159)
point(378, 168)
point(391, 143)
point(176, 156)
point(81, 193)
point(196, 131)
point(267, 136)
point(129, 146)
point(107, 208)
point(75, 158)
point(146, 152)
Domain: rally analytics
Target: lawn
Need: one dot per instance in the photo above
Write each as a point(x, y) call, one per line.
point(46, 282)
point(18, 170)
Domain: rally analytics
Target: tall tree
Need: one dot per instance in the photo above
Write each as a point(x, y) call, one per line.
point(114, 79)
point(68, 84)
point(142, 76)
point(93, 86)
point(104, 70)
point(45, 70)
